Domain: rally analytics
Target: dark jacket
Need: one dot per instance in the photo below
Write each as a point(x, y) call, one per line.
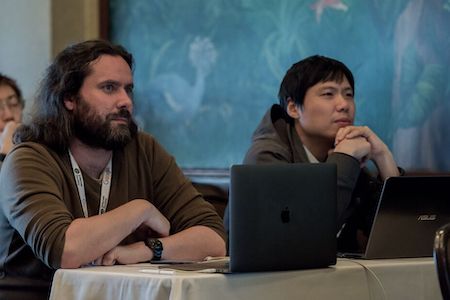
point(276, 141)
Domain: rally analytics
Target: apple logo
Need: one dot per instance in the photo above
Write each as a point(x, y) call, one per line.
point(285, 215)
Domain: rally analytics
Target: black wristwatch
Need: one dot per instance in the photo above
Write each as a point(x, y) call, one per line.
point(156, 246)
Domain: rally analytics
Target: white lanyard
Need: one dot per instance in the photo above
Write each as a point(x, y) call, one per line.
point(106, 185)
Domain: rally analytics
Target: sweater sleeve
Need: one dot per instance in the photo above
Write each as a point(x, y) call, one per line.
point(32, 201)
point(267, 152)
point(176, 197)
point(348, 170)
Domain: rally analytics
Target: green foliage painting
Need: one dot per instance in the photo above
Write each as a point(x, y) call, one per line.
point(207, 70)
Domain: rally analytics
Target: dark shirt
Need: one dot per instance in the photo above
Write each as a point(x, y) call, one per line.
point(275, 140)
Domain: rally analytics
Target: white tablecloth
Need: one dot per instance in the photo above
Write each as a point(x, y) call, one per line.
point(349, 279)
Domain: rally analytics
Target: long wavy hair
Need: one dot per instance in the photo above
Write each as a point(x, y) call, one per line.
point(50, 122)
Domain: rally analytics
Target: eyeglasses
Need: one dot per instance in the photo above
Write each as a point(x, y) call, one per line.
point(12, 102)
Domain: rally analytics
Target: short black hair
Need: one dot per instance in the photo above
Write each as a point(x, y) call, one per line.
point(308, 72)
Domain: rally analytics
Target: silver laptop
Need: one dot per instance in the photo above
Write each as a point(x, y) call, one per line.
point(282, 217)
point(409, 212)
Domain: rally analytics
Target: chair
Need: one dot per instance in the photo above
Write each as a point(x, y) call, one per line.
point(215, 194)
point(442, 259)
point(19, 288)
point(212, 184)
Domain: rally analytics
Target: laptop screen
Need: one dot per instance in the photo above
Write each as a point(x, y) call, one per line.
point(282, 217)
point(409, 212)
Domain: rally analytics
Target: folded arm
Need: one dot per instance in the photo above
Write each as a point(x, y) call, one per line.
point(194, 243)
point(86, 239)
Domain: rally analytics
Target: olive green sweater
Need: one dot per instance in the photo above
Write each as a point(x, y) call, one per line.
point(39, 199)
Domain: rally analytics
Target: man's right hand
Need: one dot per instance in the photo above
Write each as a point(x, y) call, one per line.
point(124, 254)
point(357, 147)
point(379, 153)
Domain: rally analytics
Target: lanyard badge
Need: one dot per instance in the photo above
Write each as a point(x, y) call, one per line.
point(105, 190)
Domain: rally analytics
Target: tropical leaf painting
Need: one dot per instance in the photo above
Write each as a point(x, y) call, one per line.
point(207, 70)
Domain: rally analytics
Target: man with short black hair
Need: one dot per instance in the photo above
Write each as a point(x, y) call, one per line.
point(314, 123)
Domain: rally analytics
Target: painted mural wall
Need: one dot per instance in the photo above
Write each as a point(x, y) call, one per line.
point(207, 70)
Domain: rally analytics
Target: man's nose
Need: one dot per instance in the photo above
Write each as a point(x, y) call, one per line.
point(125, 100)
point(342, 103)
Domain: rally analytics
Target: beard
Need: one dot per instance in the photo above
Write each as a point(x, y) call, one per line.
point(93, 131)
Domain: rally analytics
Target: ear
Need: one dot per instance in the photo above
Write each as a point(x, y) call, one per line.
point(293, 110)
point(69, 103)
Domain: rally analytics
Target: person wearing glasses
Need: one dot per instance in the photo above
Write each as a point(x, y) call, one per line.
point(11, 106)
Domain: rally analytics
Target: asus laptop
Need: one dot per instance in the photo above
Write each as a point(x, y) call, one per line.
point(282, 217)
point(409, 212)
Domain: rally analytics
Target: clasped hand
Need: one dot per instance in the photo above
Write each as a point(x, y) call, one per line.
point(360, 142)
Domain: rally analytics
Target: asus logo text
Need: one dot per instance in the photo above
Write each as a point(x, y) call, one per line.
point(427, 218)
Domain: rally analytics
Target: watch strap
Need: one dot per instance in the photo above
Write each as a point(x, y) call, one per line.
point(156, 246)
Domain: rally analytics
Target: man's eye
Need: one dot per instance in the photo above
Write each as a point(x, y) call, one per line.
point(109, 88)
point(129, 91)
point(13, 101)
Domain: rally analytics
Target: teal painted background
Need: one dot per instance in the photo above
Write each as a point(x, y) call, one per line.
point(207, 70)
